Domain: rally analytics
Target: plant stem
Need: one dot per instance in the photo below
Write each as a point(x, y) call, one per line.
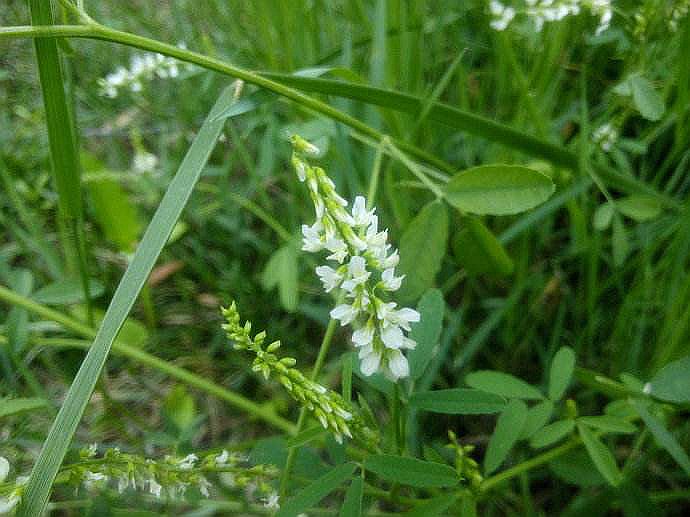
point(542, 458)
point(320, 359)
point(141, 357)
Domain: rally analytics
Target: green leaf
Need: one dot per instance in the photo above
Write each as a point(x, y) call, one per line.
point(175, 199)
point(282, 270)
point(422, 248)
point(479, 251)
point(601, 456)
point(552, 433)
point(313, 493)
point(502, 384)
point(498, 189)
point(639, 208)
point(672, 382)
point(619, 242)
point(603, 216)
point(411, 471)
point(576, 468)
point(608, 424)
point(562, 368)
point(15, 406)
point(508, 429)
point(457, 401)
point(179, 408)
point(537, 418)
point(432, 507)
point(306, 436)
point(635, 501)
point(66, 291)
point(662, 435)
point(352, 505)
point(115, 212)
point(647, 101)
point(426, 332)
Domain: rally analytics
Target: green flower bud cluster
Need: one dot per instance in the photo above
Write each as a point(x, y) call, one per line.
point(327, 406)
point(466, 467)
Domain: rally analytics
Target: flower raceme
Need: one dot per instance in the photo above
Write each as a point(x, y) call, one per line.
point(362, 266)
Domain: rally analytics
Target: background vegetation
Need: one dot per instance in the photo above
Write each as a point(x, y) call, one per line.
point(609, 279)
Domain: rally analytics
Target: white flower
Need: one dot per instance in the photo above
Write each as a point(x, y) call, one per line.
point(360, 214)
point(384, 311)
point(187, 463)
point(402, 317)
point(144, 162)
point(4, 468)
point(312, 237)
point(155, 488)
point(363, 336)
point(92, 450)
point(392, 337)
point(122, 483)
point(204, 486)
point(222, 458)
point(390, 281)
point(329, 276)
point(398, 365)
point(345, 313)
point(94, 476)
point(370, 361)
point(272, 501)
point(357, 268)
point(7, 504)
point(338, 249)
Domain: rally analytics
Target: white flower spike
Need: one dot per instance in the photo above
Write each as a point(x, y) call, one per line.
point(365, 270)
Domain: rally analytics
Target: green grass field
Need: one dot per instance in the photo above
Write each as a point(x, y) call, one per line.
point(531, 164)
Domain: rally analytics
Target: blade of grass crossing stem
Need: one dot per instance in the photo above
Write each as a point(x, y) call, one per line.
point(157, 233)
point(63, 149)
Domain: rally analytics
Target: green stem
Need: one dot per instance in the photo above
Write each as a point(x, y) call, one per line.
point(320, 359)
point(143, 358)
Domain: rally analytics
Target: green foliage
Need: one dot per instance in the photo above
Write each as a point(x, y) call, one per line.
point(502, 384)
point(509, 426)
point(498, 189)
point(427, 332)
point(601, 455)
point(458, 402)
point(672, 382)
point(479, 251)
point(422, 248)
point(411, 471)
point(561, 372)
point(313, 493)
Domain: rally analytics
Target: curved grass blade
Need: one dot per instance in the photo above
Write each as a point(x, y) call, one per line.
point(167, 214)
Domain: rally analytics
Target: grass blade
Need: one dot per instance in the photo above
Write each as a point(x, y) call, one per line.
point(157, 233)
point(64, 156)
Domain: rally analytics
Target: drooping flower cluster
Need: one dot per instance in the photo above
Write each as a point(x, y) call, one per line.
point(364, 270)
point(542, 11)
point(328, 406)
point(142, 67)
point(171, 477)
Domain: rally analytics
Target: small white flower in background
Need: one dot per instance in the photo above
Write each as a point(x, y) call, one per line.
point(365, 270)
point(144, 162)
point(7, 504)
point(204, 486)
point(502, 15)
point(92, 450)
point(605, 135)
point(272, 501)
point(155, 488)
point(543, 11)
point(188, 462)
point(4, 468)
point(142, 67)
point(222, 458)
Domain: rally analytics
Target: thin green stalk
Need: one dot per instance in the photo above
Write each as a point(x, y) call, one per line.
point(320, 359)
point(537, 461)
point(64, 155)
point(140, 356)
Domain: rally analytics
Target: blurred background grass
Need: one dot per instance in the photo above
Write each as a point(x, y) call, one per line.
point(565, 290)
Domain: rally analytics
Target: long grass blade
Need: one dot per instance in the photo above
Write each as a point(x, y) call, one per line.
point(64, 156)
point(173, 202)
